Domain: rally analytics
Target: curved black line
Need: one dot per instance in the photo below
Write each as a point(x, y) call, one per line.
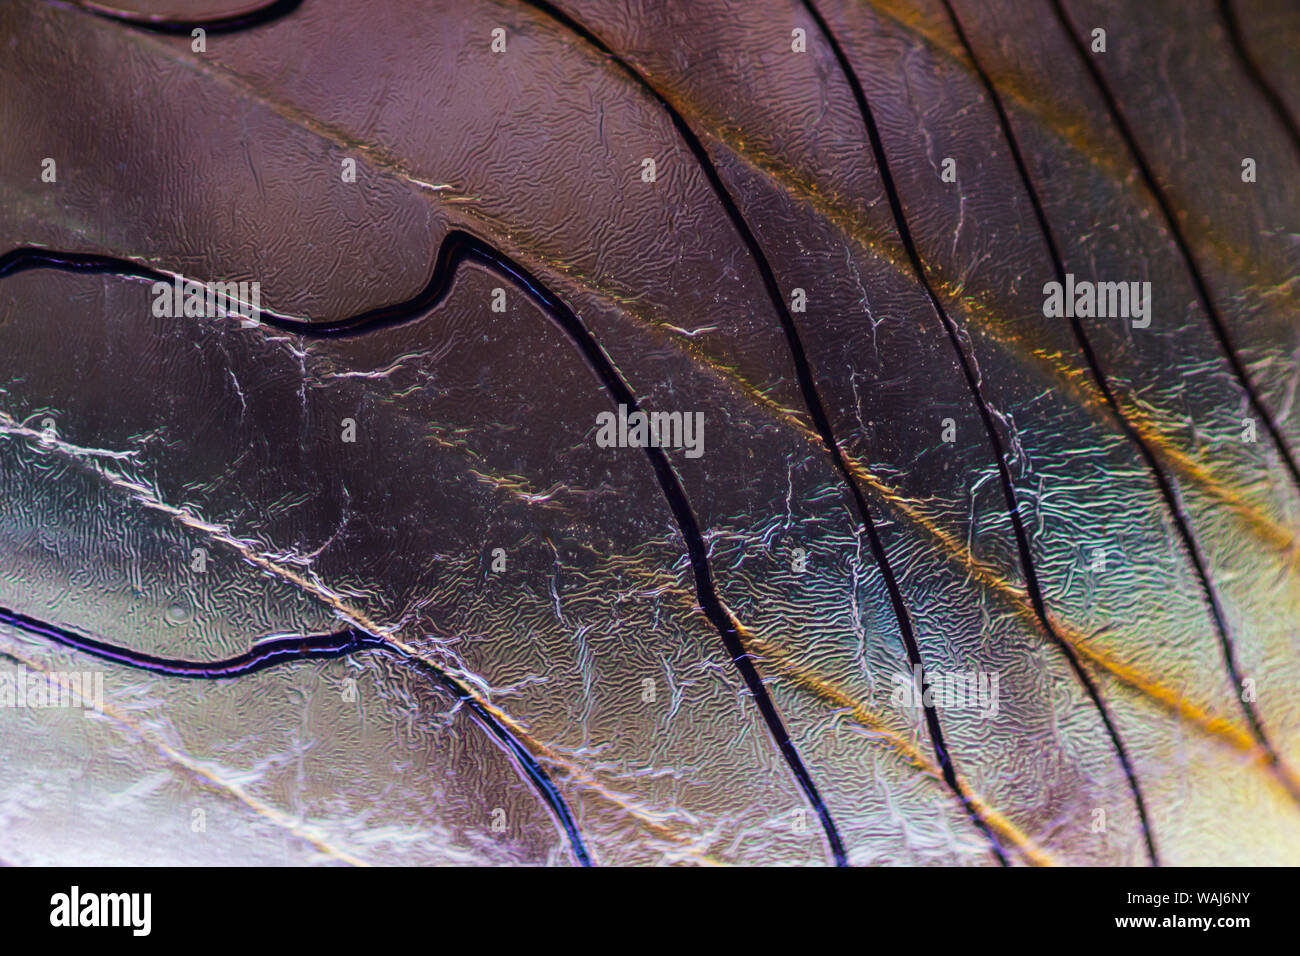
point(807, 387)
point(803, 374)
point(233, 23)
point(1221, 332)
point(264, 654)
point(667, 478)
point(1189, 260)
point(1238, 41)
point(990, 428)
point(457, 248)
point(1094, 365)
point(284, 650)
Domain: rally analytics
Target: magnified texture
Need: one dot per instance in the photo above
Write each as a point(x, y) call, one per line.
point(783, 432)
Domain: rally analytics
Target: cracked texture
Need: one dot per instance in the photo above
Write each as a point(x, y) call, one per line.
point(475, 432)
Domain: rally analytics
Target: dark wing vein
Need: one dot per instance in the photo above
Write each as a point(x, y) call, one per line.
point(284, 650)
point(1225, 342)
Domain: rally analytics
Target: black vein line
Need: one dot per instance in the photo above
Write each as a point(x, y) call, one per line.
point(284, 650)
point(1221, 332)
point(995, 442)
point(234, 23)
point(1094, 365)
point(457, 249)
point(1185, 251)
point(806, 382)
point(1266, 89)
point(668, 481)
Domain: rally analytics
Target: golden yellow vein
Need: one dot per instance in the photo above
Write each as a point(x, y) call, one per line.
point(1077, 134)
point(382, 159)
point(144, 496)
point(834, 211)
point(837, 214)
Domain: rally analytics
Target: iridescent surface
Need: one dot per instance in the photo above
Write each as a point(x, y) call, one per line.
point(475, 431)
